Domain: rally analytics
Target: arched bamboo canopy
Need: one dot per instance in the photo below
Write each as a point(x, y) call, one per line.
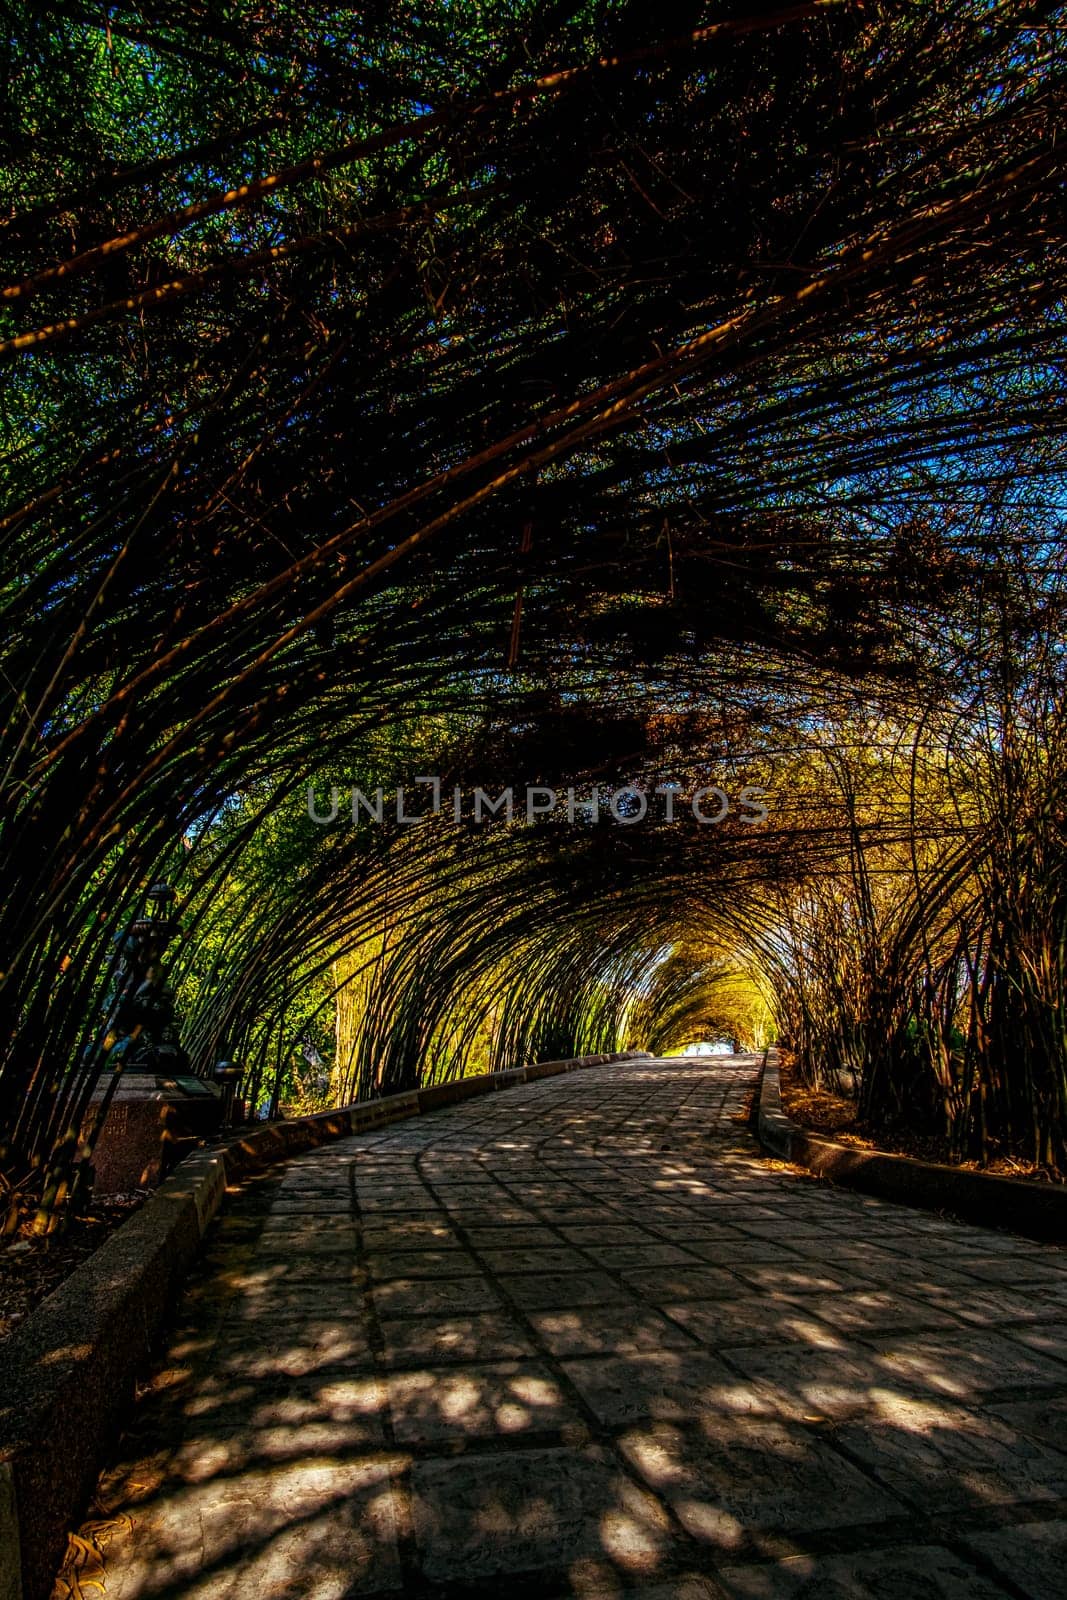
point(538, 395)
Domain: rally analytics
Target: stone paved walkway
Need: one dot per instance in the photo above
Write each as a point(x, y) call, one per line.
point(580, 1338)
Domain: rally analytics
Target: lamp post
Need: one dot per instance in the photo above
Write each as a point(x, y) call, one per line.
point(144, 1009)
point(228, 1075)
point(139, 1034)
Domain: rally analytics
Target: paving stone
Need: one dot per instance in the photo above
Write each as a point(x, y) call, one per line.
point(811, 1237)
point(540, 1237)
point(386, 1265)
point(278, 1307)
point(873, 1261)
point(337, 1222)
point(799, 1278)
point(917, 1572)
point(424, 1214)
point(375, 1200)
point(467, 1216)
point(1033, 1556)
point(882, 1310)
point(987, 1307)
point(409, 1233)
point(683, 1283)
point(1015, 1268)
point(607, 1234)
point(486, 1190)
point(434, 1340)
point(804, 1379)
point(933, 1281)
point(607, 1330)
point(671, 1384)
point(478, 1518)
point(296, 1272)
point(685, 1586)
point(957, 1459)
point(588, 1215)
point(725, 1323)
point(939, 1226)
point(656, 1217)
point(732, 1252)
point(244, 1446)
point(1044, 1418)
point(698, 1231)
point(787, 1368)
point(234, 1229)
point(991, 1241)
point(293, 1351)
point(502, 1400)
point(631, 1257)
point(1054, 1294)
point(544, 1290)
point(970, 1362)
point(1048, 1337)
point(338, 1242)
point(558, 1259)
point(735, 1478)
point(425, 1297)
point(332, 1522)
point(322, 1397)
point(313, 1184)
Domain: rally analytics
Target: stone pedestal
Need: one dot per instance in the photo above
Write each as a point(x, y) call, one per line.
point(152, 1122)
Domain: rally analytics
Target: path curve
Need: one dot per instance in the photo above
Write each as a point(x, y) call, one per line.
point(583, 1339)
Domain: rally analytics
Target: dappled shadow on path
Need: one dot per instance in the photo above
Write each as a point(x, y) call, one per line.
point(582, 1339)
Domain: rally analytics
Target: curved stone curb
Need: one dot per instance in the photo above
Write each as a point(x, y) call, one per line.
point(68, 1371)
point(1021, 1205)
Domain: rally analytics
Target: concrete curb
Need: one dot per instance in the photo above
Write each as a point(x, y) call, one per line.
point(1020, 1205)
point(68, 1371)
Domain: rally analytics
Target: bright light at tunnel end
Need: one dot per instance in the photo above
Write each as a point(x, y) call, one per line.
point(629, 804)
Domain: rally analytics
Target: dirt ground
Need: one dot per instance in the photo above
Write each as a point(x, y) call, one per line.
point(32, 1266)
point(836, 1117)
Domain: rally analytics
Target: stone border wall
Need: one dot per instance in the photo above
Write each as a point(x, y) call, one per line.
point(67, 1373)
point(1021, 1205)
